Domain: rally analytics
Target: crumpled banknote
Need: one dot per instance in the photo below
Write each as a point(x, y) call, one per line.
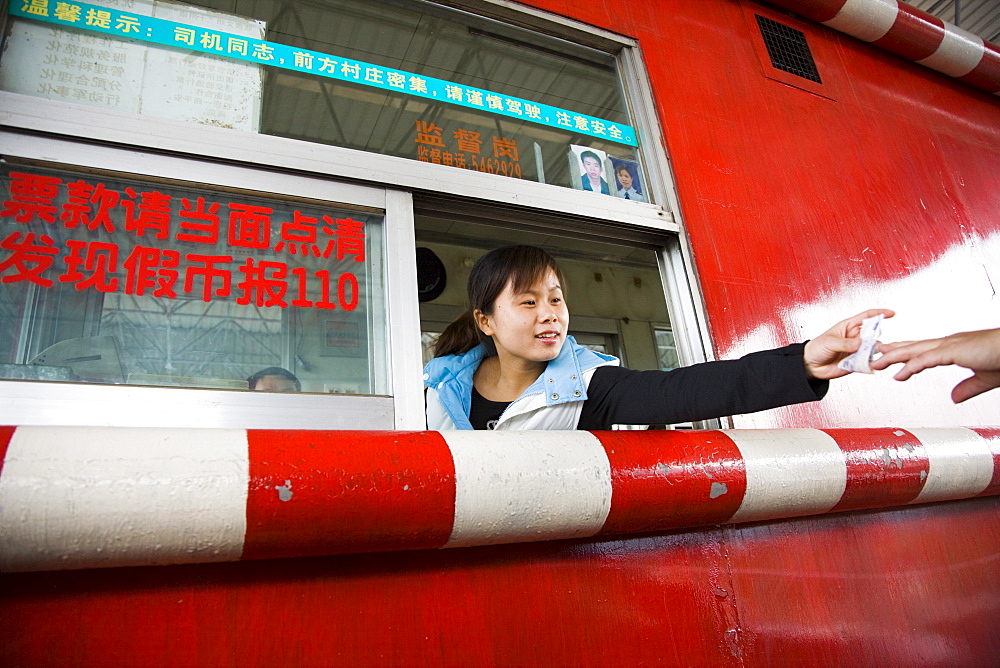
point(858, 362)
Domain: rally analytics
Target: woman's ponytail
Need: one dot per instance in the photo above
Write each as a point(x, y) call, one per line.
point(459, 337)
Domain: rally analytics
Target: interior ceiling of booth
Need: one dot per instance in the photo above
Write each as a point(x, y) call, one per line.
point(980, 17)
point(487, 234)
point(431, 41)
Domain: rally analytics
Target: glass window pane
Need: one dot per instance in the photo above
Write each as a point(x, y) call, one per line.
point(349, 73)
point(599, 343)
point(613, 289)
point(427, 342)
point(114, 280)
point(83, 58)
point(666, 349)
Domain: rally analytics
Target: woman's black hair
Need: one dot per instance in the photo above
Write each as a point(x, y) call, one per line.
point(521, 266)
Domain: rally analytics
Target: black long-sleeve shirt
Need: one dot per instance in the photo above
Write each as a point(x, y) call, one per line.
point(617, 395)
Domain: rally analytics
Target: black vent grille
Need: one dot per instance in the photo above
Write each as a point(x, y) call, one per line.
point(788, 49)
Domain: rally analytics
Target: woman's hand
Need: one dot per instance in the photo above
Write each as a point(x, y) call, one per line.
point(977, 351)
point(823, 353)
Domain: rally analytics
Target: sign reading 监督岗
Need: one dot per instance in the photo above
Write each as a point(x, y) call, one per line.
point(169, 33)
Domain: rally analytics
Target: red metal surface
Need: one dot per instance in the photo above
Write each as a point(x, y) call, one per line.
point(912, 34)
point(987, 74)
point(666, 479)
point(803, 209)
point(915, 34)
point(93, 498)
point(800, 210)
point(992, 435)
point(315, 493)
point(907, 588)
point(913, 586)
point(5, 435)
point(880, 471)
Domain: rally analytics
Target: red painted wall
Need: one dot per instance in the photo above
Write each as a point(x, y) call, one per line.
point(906, 587)
point(802, 209)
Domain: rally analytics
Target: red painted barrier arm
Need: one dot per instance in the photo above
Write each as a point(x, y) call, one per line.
point(100, 497)
point(910, 33)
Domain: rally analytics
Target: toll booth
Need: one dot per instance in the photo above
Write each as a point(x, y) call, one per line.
point(198, 193)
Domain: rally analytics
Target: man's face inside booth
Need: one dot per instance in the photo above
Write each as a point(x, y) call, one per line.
point(275, 384)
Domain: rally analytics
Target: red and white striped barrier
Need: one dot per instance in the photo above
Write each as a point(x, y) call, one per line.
point(911, 33)
point(98, 497)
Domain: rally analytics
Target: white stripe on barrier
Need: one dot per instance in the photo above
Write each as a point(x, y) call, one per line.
point(95, 497)
point(801, 473)
point(960, 464)
point(518, 486)
point(960, 52)
point(867, 20)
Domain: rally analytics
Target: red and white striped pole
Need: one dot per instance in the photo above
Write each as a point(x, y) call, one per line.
point(100, 497)
point(910, 33)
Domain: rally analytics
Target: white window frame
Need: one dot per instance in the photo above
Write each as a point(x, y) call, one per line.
point(53, 404)
point(27, 121)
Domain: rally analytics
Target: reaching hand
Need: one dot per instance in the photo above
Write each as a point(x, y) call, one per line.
point(978, 351)
point(824, 352)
